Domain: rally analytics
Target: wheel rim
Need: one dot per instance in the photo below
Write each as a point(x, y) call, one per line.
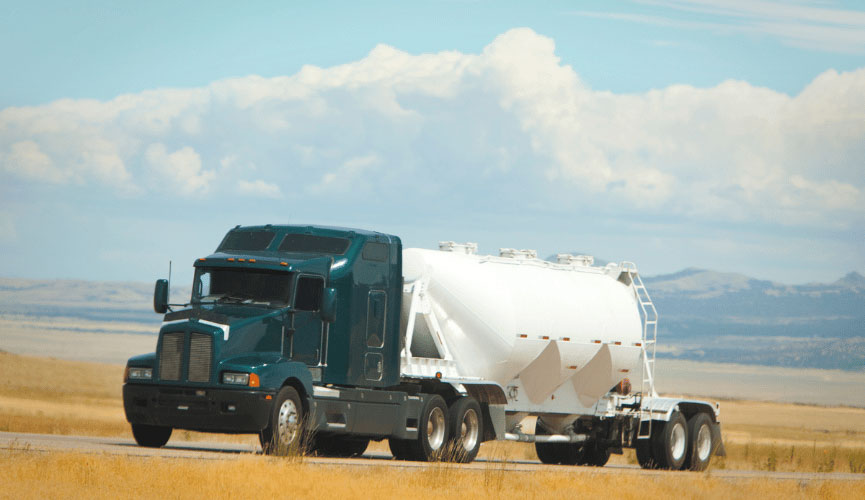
point(677, 441)
point(704, 443)
point(435, 428)
point(288, 422)
point(469, 430)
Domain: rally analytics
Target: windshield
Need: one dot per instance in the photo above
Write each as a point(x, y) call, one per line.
point(241, 286)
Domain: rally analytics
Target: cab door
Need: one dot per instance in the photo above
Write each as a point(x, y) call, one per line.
point(306, 328)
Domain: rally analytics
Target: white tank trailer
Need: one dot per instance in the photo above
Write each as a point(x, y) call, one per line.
point(568, 342)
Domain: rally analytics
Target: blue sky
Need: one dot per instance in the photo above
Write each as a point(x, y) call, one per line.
point(725, 135)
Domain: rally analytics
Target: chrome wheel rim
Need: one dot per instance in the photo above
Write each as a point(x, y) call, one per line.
point(288, 422)
point(704, 443)
point(469, 430)
point(435, 428)
point(677, 441)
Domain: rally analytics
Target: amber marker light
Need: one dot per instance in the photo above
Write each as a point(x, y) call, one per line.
point(254, 380)
point(438, 374)
point(252, 260)
point(230, 259)
point(241, 260)
point(283, 263)
point(201, 259)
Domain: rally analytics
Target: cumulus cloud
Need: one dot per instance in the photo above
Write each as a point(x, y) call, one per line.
point(510, 122)
point(259, 188)
point(181, 170)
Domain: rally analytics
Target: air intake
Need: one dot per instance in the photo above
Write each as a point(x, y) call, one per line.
point(200, 354)
point(170, 356)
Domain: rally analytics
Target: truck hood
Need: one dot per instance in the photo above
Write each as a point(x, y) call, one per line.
point(241, 329)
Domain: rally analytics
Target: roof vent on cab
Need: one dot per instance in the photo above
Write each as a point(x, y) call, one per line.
point(452, 246)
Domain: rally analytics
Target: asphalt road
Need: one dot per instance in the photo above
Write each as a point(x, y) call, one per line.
point(40, 443)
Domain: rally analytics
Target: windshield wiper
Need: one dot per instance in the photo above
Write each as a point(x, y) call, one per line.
point(238, 298)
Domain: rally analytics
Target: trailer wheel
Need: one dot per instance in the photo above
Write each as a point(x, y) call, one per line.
point(285, 434)
point(466, 424)
point(339, 446)
point(700, 440)
point(151, 436)
point(399, 448)
point(432, 431)
point(556, 453)
point(645, 457)
point(592, 454)
point(671, 443)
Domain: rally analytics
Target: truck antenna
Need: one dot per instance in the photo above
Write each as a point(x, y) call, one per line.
point(168, 299)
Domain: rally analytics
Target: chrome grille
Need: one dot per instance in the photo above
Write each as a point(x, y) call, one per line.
point(200, 354)
point(170, 356)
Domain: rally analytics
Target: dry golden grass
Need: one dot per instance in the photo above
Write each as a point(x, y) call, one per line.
point(74, 475)
point(50, 396)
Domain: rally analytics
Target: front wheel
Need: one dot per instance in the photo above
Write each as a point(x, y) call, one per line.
point(151, 436)
point(284, 434)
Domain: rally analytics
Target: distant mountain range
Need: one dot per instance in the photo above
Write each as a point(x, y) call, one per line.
point(703, 315)
point(726, 317)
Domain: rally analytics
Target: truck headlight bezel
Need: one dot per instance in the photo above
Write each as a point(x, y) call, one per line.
point(235, 378)
point(139, 373)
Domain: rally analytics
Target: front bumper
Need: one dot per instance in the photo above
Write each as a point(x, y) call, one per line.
point(235, 411)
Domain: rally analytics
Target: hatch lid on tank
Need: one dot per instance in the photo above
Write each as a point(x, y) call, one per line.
point(467, 248)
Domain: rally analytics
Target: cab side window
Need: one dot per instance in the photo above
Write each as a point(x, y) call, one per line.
point(376, 252)
point(309, 291)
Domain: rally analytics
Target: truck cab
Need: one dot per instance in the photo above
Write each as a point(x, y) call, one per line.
point(276, 309)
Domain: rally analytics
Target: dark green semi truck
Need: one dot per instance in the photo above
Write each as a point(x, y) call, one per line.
point(320, 339)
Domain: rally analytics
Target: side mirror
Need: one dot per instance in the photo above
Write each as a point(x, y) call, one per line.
point(160, 296)
point(328, 305)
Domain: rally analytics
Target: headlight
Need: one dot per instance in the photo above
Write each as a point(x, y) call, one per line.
point(139, 373)
point(235, 378)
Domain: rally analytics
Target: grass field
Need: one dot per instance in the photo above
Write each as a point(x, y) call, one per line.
point(50, 396)
point(64, 475)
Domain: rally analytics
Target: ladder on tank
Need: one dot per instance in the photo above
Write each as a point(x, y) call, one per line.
point(650, 336)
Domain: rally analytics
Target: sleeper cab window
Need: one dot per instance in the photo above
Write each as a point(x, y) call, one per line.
point(309, 291)
point(376, 252)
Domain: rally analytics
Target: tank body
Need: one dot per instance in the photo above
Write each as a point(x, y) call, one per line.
point(547, 324)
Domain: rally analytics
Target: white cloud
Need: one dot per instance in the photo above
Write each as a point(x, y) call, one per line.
point(354, 174)
point(814, 27)
point(511, 122)
point(26, 160)
point(259, 188)
point(180, 169)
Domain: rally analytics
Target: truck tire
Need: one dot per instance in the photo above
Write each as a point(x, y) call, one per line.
point(594, 455)
point(670, 445)
point(645, 457)
point(466, 424)
point(325, 445)
point(399, 448)
point(432, 431)
point(151, 436)
point(700, 441)
point(556, 453)
point(285, 434)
